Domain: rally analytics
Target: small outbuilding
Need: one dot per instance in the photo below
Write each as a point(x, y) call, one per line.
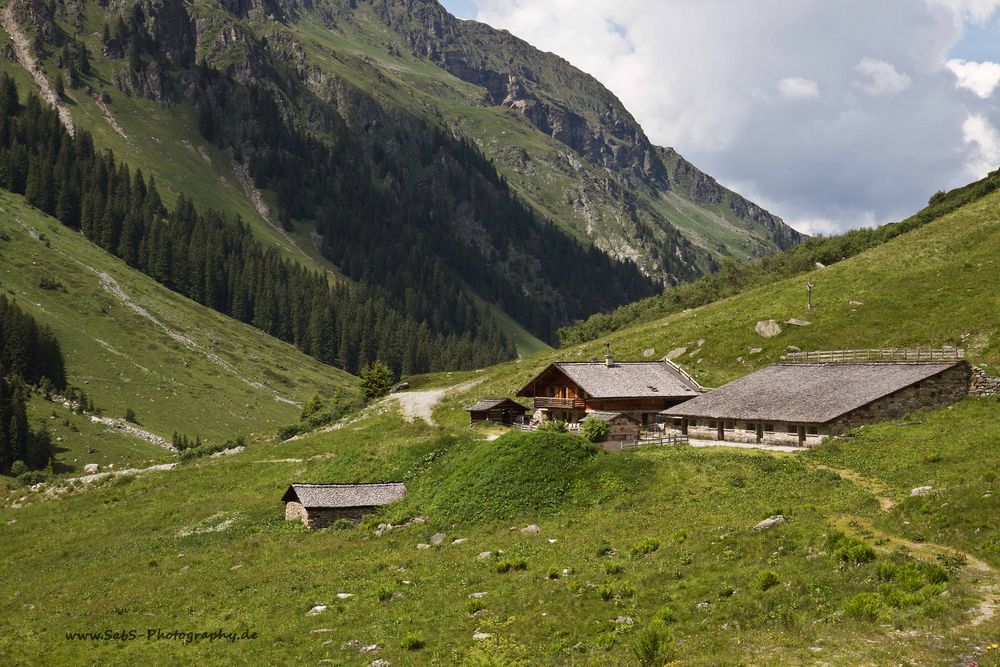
point(623, 427)
point(802, 403)
point(496, 410)
point(319, 505)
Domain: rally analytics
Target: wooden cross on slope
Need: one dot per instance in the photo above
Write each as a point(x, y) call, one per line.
point(809, 291)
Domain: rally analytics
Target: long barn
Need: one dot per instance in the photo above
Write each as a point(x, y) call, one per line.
point(802, 403)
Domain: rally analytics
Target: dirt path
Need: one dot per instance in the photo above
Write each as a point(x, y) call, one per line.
point(420, 404)
point(22, 50)
point(874, 487)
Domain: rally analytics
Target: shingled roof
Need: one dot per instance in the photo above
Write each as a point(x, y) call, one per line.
point(631, 379)
point(609, 416)
point(811, 393)
point(488, 404)
point(323, 496)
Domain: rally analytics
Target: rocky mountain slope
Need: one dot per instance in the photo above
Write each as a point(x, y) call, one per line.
point(302, 111)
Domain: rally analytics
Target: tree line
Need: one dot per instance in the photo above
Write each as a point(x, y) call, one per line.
point(217, 262)
point(29, 355)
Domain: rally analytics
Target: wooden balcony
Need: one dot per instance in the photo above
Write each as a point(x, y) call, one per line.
point(559, 403)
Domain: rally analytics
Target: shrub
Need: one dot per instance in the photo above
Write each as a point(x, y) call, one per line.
point(767, 579)
point(850, 550)
point(553, 573)
point(595, 430)
point(474, 606)
point(867, 607)
point(412, 642)
point(376, 379)
point(130, 416)
point(604, 549)
point(510, 565)
point(342, 524)
point(32, 477)
point(647, 546)
point(552, 426)
point(664, 615)
point(385, 594)
point(613, 568)
point(18, 468)
point(651, 646)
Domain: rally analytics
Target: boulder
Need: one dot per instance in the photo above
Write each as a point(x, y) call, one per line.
point(820, 265)
point(381, 662)
point(921, 490)
point(484, 555)
point(437, 538)
point(676, 352)
point(756, 350)
point(531, 530)
point(857, 303)
point(476, 596)
point(461, 540)
point(768, 328)
point(423, 546)
point(91, 468)
point(318, 609)
point(624, 620)
point(344, 596)
point(480, 636)
point(793, 350)
point(769, 523)
point(798, 323)
point(372, 648)
point(648, 352)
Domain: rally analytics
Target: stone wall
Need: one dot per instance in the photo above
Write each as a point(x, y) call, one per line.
point(323, 517)
point(740, 433)
point(983, 384)
point(943, 389)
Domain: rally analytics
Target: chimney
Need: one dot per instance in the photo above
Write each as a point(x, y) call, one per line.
point(609, 361)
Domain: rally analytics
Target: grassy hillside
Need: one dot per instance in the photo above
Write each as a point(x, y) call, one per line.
point(131, 343)
point(642, 558)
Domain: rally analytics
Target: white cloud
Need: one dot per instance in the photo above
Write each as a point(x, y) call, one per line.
point(984, 143)
point(798, 88)
point(980, 78)
point(979, 11)
point(706, 77)
point(883, 79)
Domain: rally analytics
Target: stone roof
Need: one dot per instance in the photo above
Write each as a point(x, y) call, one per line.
point(629, 379)
point(488, 404)
point(811, 393)
point(609, 416)
point(344, 495)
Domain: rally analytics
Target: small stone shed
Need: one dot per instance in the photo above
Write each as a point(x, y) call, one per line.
point(623, 427)
point(496, 410)
point(319, 505)
point(800, 404)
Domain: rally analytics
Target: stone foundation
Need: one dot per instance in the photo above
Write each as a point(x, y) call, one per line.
point(983, 384)
point(323, 517)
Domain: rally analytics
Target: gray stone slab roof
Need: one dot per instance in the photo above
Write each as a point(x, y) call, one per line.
point(491, 403)
point(810, 393)
point(344, 495)
point(627, 379)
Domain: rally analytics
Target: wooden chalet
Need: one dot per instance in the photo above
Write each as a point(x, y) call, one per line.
point(496, 410)
point(569, 390)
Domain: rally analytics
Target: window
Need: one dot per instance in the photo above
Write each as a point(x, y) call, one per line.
point(730, 426)
point(751, 426)
point(769, 428)
point(793, 429)
point(813, 430)
point(713, 424)
point(692, 422)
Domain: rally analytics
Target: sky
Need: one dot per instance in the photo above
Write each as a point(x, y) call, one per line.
point(832, 114)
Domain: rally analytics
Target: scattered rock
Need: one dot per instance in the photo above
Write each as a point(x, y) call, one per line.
point(701, 342)
point(437, 538)
point(423, 546)
point(921, 490)
point(91, 468)
point(344, 596)
point(318, 609)
point(479, 635)
point(552, 540)
point(531, 530)
point(227, 452)
point(791, 349)
point(703, 605)
point(322, 630)
point(676, 352)
point(768, 328)
point(28, 606)
point(857, 303)
point(624, 620)
point(353, 644)
point(476, 596)
point(756, 350)
point(461, 540)
point(566, 572)
point(483, 555)
point(381, 662)
point(372, 648)
point(648, 352)
point(820, 265)
point(769, 523)
point(235, 567)
point(798, 323)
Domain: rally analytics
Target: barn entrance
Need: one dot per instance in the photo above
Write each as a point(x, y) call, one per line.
point(760, 433)
point(802, 435)
point(720, 432)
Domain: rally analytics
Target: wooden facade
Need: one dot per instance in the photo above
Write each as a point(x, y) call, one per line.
point(496, 410)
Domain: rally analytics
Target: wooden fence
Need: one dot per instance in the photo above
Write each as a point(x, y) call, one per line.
point(659, 439)
point(893, 354)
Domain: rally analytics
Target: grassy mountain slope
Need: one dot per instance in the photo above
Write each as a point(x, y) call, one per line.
point(862, 573)
point(129, 342)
